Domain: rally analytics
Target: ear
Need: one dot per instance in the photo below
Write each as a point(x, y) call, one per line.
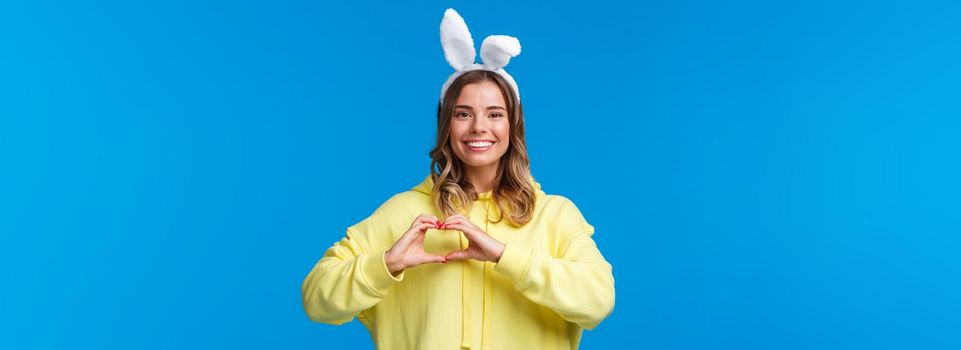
point(456, 40)
point(497, 50)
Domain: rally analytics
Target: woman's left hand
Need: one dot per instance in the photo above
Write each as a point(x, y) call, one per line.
point(481, 246)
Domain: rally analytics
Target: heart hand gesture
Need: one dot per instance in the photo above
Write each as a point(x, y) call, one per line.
point(408, 251)
point(481, 246)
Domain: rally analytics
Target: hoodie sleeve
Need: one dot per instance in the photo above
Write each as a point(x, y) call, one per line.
point(578, 283)
point(352, 275)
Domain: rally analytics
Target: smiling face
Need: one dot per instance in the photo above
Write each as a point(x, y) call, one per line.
point(480, 128)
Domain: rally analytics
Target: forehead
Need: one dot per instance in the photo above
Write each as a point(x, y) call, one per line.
point(481, 94)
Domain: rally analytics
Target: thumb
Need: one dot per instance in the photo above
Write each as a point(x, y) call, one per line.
point(431, 258)
point(458, 255)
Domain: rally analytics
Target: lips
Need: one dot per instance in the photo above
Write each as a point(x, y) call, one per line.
point(479, 146)
point(479, 143)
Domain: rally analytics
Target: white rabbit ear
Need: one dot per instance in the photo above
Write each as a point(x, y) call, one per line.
point(497, 50)
point(456, 40)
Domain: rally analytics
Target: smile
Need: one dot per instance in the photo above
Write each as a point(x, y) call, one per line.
point(479, 146)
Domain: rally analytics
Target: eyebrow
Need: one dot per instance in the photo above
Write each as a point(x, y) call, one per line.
point(472, 108)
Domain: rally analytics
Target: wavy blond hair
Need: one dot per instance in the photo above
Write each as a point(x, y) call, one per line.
point(452, 194)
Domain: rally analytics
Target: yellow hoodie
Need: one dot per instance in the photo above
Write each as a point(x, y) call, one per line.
point(551, 281)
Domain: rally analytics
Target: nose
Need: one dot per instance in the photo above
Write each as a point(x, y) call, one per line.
point(480, 125)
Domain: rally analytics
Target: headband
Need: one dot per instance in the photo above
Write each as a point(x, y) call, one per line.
point(496, 51)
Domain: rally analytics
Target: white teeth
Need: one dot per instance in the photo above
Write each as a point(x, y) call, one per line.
point(479, 144)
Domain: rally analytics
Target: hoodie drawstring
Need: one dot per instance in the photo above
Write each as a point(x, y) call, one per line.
point(487, 293)
point(488, 287)
point(465, 294)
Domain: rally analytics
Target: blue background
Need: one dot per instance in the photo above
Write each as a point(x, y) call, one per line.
point(761, 176)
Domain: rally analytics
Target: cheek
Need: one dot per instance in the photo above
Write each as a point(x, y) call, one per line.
point(503, 135)
point(455, 132)
point(503, 131)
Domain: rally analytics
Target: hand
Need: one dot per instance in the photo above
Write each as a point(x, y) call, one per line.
point(408, 251)
point(481, 246)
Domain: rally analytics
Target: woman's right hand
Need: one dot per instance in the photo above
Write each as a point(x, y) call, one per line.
point(408, 251)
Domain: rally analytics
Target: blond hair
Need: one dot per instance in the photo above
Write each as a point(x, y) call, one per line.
point(452, 194)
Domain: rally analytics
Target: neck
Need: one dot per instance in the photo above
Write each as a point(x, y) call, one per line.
point(482, 178)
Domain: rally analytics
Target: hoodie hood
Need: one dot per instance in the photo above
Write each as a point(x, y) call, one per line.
point(425, 187)
point(428, 184)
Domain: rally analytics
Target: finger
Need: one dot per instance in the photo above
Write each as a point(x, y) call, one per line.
point(433, 223)
point(432, 258)
point(451, 219)
point(455, 220)
point(422, 228)
point(457, 255)
point(467, 230)
point(424, 218)
point(457, 216)
point(422, 221)
point(416, 230)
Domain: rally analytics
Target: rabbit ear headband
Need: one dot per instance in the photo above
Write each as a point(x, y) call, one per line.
point(496, 51)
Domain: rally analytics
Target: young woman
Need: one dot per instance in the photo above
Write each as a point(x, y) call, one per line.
point(475, 256)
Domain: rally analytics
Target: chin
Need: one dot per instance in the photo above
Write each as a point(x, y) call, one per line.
point(473, 161)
